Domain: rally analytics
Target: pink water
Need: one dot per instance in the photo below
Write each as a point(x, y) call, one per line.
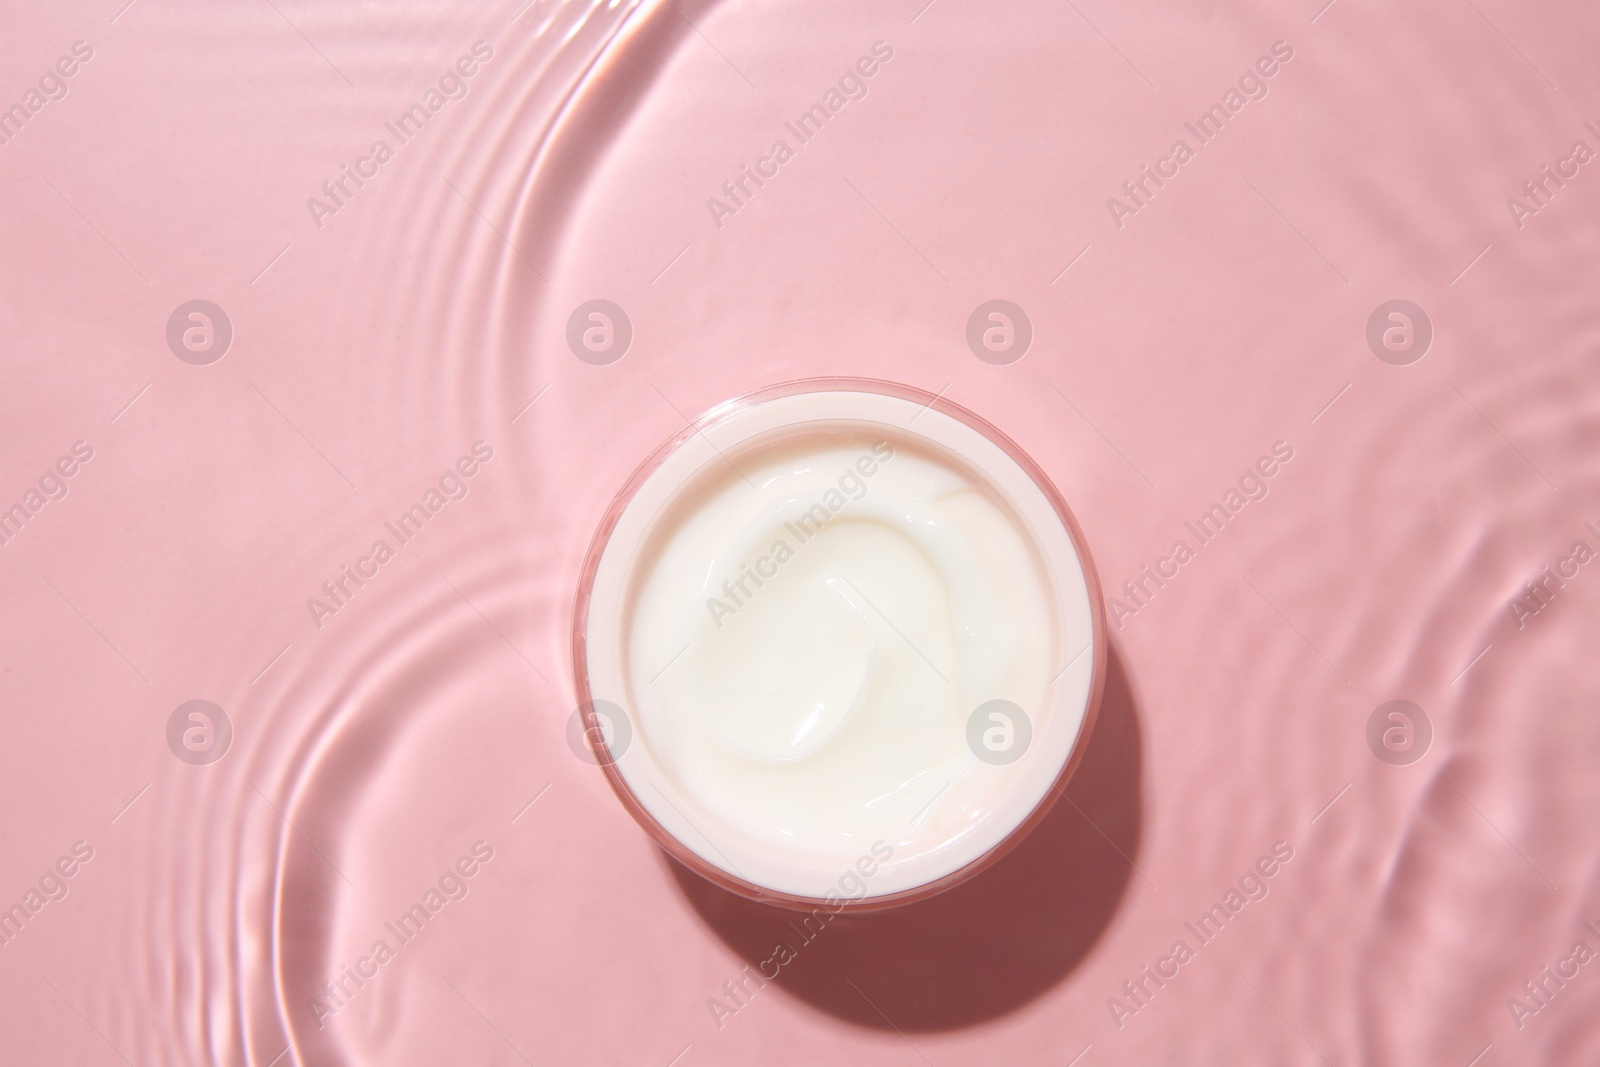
point(374, 746)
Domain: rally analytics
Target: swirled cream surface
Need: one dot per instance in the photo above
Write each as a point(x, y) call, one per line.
point(841, 637)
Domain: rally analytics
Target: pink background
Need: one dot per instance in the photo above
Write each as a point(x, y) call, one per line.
point(369, 353)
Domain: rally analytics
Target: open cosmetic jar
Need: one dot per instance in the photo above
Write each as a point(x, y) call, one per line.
point(838, 640)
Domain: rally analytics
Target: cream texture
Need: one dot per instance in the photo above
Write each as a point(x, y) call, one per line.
point(814, 632)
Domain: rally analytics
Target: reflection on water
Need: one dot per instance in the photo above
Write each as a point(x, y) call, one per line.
point(399, 860)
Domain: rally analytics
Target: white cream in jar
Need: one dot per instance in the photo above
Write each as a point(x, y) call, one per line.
point(844, 626)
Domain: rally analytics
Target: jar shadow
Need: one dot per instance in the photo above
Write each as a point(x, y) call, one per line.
point(977, 951)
